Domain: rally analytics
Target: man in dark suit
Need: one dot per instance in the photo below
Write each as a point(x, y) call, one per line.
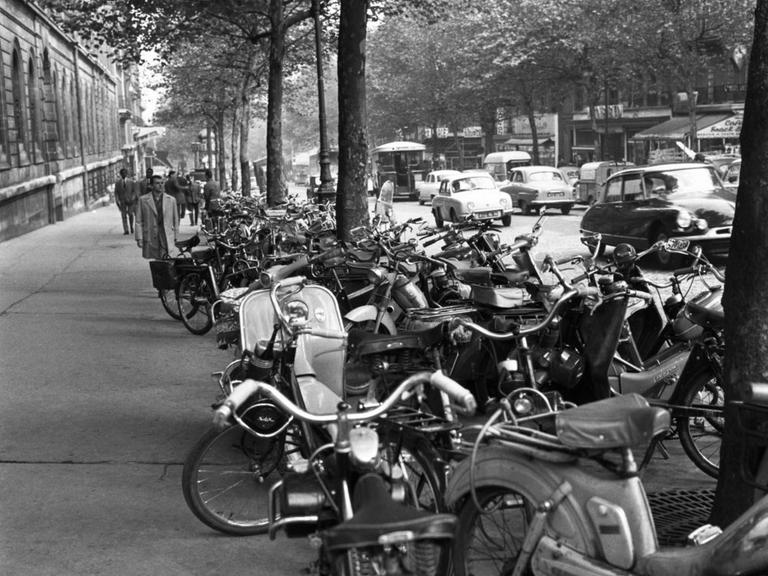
point(126, 197)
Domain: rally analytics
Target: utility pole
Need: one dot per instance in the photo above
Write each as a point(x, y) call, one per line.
point(325, 192)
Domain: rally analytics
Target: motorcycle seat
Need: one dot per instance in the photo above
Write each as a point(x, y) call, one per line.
point(479, 275)
point(706, 314)
point(618, 422)
point(510, 297)
point(362, 342)
point(189, 243)
point(511, 277)
point(377, 515)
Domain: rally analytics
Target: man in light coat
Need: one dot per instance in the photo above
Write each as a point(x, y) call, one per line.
point(126, 196)
point(157, 222)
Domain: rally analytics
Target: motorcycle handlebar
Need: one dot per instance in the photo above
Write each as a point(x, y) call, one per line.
point(571, 293)
point(224, 413)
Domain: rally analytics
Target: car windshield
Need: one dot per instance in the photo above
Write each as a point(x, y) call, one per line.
point(681, 181)
point(473, 182)
point(545, 176)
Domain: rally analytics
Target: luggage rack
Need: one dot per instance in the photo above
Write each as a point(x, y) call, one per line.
point(418, 421)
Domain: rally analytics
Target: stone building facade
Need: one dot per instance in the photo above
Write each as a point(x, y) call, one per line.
point(65, 121)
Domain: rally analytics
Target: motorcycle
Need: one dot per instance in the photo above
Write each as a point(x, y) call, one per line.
point(564, 497)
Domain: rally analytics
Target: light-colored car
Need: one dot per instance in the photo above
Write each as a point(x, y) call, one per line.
point(429, 187)
point(471, 195)
point(534, 187)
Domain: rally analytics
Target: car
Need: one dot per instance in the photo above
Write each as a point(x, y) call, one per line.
point(471, 195)
point(731, 175)
point(534, 187)
point(571, 174)
point(430, 185)
point(645, 204)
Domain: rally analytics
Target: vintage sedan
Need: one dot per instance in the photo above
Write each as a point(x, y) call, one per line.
point(429, 187)
point(732, 174)
point(471, 195)
point(643, 205)
point(534, 187)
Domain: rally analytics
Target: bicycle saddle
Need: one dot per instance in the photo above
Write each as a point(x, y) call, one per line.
point(618, 422)
point(189, 243)
point(377, 514)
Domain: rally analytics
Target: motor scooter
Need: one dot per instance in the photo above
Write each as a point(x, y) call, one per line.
point(559, 494)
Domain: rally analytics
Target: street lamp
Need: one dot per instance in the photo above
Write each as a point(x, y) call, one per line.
point(325, 192)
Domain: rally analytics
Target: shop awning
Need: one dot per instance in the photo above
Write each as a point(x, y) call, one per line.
point(677, 128)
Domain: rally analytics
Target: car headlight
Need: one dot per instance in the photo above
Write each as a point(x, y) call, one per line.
point(683, 219)
point(470, 206)
point(504, 202)
point(701, 224)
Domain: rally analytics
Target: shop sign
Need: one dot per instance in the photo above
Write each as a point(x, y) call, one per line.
point(728, 128)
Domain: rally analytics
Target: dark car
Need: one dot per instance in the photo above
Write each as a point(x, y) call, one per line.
point(645, 204)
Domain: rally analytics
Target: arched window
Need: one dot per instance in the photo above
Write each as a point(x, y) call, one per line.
point(18, 129)
point(4, 138)
point(33, 104)
point(51, 111)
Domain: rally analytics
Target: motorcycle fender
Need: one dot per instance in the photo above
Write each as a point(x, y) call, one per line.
point(369, 312)
point(569, 522)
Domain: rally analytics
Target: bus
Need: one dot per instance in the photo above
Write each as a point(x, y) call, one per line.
point(401, 161)
point(500, 163)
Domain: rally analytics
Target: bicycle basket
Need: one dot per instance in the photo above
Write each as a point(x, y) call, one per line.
point(164, 276)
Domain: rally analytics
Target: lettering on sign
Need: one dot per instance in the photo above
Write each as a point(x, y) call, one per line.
point(614, 111)
point(728, 128)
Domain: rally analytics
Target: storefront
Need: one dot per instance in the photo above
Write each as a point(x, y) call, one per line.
point(716, 133)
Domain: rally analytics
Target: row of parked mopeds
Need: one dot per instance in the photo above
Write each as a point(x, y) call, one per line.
point(433, 401)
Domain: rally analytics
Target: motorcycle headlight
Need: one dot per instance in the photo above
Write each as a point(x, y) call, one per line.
point(683, 219)
point(364, 446)
point(376, 276)
point(470, 206)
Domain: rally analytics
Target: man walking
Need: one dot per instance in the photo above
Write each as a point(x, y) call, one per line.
point(145, 182)
point(126, 196)
point(157, 222)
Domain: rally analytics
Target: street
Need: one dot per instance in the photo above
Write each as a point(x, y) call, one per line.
point(104, 394)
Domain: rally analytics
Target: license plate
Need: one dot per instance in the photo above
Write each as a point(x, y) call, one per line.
point(555, 194)
point(490, 214)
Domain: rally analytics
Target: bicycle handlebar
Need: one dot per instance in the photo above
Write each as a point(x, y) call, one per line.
point(224, 413)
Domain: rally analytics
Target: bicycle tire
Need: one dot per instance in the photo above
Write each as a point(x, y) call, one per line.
point(225, 482)
point(701, 436)
point(195, 297)
point(480, 548)
point(170, 302)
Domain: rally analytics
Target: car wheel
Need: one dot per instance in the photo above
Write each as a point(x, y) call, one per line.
point(565, 209)
point(664, 260)
point(506, 220)
point(525, 208)
point(438, 219)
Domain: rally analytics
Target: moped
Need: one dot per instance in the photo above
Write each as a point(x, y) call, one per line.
point(353, 495)
point(559, 494)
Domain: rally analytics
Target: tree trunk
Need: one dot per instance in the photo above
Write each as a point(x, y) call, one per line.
point(351, 191)
point(745, 299)
point(693, 141)
point(245, 122)
point(275, 179)
point(488, 123)
point(221, 153)
point(234, 142)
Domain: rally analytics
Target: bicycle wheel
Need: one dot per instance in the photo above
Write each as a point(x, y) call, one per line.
point(195, 295)
point(226, 479)
point(170, 302)
point(423, 487)
point(701, 436)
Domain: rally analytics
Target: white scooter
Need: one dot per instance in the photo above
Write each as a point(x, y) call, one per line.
point(560, 495)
